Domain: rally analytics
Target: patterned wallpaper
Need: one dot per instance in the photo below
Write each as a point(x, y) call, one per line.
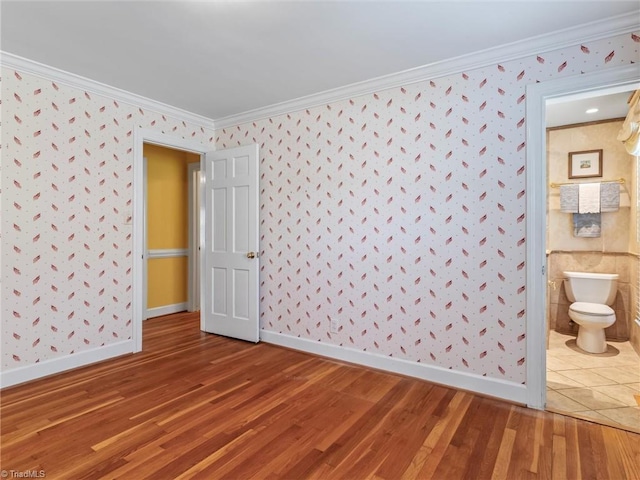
point(401, 214)
point(67, 191)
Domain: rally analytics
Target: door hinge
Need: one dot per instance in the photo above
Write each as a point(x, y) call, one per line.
point(543, 269)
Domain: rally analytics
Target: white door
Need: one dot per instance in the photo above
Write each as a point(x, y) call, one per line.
point(230, 275)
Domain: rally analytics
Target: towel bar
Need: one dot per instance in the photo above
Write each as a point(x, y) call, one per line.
point(556, 185)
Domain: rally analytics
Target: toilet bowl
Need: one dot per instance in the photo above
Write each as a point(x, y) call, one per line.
point(591, 294)
point(592, 319)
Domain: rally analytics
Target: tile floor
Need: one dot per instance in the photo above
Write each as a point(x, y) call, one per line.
point(603, 387)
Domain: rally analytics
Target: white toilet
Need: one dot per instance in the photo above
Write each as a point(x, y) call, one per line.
point(592, 294)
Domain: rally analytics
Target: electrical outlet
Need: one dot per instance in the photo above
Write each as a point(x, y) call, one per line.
point(335, 325)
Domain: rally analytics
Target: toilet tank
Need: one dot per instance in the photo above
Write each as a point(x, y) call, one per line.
point(591, 287)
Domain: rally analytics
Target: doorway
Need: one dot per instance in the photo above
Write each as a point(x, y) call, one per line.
point(171, 251)
point(537, 275)
point(229, 200)
point(145, 136)
point(598, 387)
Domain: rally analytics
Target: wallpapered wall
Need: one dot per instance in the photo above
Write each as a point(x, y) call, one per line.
point(401, 214)
point(67, 191)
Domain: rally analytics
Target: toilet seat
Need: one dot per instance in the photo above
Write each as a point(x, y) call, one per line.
point(595, 309)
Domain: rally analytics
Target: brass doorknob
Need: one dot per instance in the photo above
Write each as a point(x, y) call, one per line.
point(251, 255)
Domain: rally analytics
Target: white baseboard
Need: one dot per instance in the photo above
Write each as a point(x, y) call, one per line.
point(61, 364)
point(513, 392)
point(166, 310)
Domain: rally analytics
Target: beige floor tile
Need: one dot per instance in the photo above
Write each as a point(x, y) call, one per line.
point(610, 381)
point(585, 360)
point(595, 416)
point(558, 339)
point(559, 364)
point(592, 399)
point(587, 378)
point(626, 416)
point(622, 360)
point(560, 353)
point(557, 401)
point(624, 348)
point(618, 374)
point(557, 381)
point(621, 393)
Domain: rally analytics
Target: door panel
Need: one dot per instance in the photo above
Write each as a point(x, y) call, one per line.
point(230, 275)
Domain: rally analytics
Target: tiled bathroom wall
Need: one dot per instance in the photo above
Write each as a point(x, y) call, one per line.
point(614, 250)
point(617, 163)
point(596, 262)
point(634, 334)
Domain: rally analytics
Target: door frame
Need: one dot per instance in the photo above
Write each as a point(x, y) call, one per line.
point(140, 137)
point(194, 238)
point(536, 210)
point(145, 246)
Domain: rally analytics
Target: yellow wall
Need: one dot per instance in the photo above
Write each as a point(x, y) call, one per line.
point(167, 222)
point(167, 281)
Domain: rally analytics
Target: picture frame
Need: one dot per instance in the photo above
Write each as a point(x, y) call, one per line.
point(585, 164)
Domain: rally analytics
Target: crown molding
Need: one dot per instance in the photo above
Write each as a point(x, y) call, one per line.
point(588, 32)
point(32, 67)
point(618, 25)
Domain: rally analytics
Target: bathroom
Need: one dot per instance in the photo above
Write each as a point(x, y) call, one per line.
point(602, 387)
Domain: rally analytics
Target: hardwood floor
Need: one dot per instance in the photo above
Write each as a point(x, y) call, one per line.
point(194, 405)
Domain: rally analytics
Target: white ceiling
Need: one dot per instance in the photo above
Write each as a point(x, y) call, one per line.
point(223, 58)
point(573, 109)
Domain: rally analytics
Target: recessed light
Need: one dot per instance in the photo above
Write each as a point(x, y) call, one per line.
point(592, 110)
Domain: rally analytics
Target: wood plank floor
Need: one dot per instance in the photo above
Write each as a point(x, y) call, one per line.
point(194, 405)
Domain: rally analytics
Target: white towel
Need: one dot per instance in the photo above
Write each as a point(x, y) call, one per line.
point(589, 198)
point(610, 197)
point(569, 198)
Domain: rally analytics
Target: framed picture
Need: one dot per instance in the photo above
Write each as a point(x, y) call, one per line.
point(585, 164)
